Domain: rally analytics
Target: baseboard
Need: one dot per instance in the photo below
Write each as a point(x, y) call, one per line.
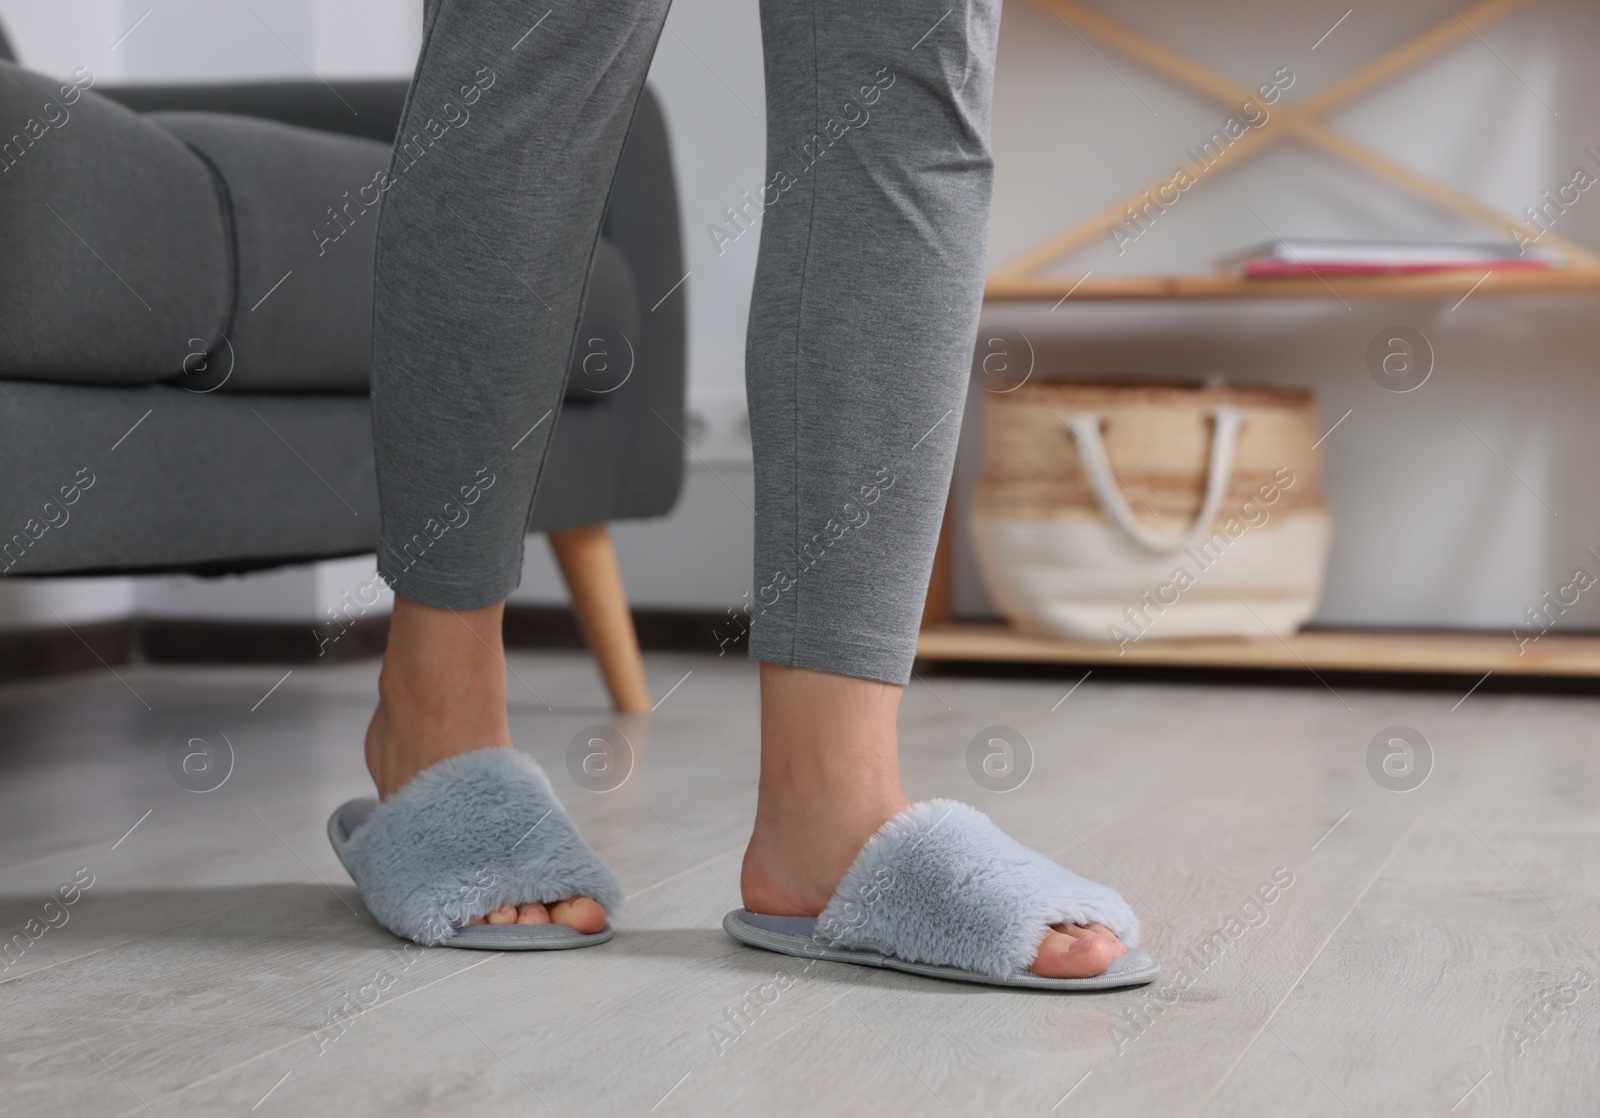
point(31, 653)
point(179, 641)
point(660, 630)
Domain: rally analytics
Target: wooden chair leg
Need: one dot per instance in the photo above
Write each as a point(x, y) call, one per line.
point(589, 566)
point(936, 610)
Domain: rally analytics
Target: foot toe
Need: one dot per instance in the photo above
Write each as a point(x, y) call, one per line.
point(533, 914)
point(1104, 933)
point(1074, 951)
point(580, 914)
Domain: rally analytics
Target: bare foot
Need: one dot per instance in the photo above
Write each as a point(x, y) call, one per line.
point(441, 693)
point(829, 780)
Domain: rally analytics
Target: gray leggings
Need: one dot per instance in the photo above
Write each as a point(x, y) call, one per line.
point(865, 309)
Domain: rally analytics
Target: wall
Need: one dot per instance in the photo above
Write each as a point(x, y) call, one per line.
point(216, 40)
point(1446, 499)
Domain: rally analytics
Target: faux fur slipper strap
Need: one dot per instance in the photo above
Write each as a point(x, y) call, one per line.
point(463, 838)
point(941, 884)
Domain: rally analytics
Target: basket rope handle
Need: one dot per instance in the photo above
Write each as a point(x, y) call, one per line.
point(1227, 421)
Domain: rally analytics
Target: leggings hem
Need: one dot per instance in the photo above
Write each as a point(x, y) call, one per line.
point(832, 654)
point(443, 593)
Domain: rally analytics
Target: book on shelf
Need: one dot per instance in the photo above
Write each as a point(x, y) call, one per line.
point(1292, 257)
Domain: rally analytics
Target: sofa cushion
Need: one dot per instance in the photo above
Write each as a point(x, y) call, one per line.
point(115, 247)
point(251, 242)
point(376, 104)
point(305, 217)
point(305, 214)
point(235, 481)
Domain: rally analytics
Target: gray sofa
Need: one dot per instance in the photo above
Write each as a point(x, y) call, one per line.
point(185, 329)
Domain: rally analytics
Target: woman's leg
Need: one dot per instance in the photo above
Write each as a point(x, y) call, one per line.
point(502, 169)
point(491, 210)
point(868, 288)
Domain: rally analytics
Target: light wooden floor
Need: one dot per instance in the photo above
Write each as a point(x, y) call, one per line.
point(1419, 930)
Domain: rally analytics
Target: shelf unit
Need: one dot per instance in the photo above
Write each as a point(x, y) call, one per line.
point(1028, 279)
point(1451, 286)
point(1315, 650)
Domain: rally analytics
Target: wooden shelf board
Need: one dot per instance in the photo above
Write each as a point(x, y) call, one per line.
point(1425, 653)
point(1438, 285)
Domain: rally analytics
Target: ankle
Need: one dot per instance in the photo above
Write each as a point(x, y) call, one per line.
point(800, 846)
point(826, 770)
point(413, 690)
point(441, 691)
point(827, 735)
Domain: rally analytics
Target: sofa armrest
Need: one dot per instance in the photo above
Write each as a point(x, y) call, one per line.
point(642, 221)
point(370, 109)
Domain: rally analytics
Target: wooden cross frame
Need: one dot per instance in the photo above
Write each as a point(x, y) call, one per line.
point(1021, 279)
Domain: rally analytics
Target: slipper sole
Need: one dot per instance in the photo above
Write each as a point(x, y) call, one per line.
point(796, 935)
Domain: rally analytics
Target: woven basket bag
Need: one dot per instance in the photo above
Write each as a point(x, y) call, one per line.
point(1121, 511)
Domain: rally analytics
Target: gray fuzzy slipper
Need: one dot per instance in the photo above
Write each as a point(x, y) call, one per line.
point(941, 891)
point(463, 838)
